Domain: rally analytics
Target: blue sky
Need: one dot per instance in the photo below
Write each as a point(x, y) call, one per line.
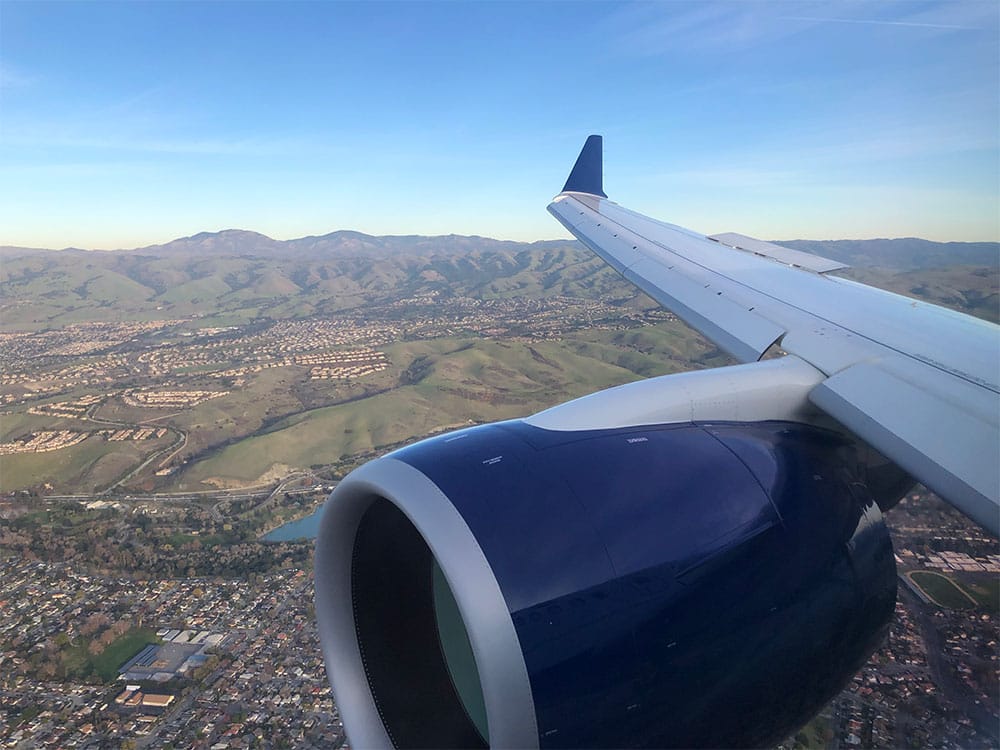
point(130, 124)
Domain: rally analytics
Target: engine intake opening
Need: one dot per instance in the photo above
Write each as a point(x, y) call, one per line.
point(410, 633)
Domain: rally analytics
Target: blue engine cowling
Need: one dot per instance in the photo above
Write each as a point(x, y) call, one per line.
point(694, 585)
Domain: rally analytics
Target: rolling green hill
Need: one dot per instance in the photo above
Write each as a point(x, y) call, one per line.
point(456, 382)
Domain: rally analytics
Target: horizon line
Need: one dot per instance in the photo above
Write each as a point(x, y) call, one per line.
point(216, 233)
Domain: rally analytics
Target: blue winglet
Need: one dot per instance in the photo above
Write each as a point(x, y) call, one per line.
point(588, 172)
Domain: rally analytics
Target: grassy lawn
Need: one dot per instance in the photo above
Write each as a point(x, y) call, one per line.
point(985, 591)
point(942, 590)
point(78, 662)
point(108, 662)
point(19, 424)
point(813, 736)
point(90, 464)
point(63, 468)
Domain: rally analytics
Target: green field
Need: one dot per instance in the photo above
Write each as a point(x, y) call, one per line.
point(84, 467)
point(59, 467)
point(106, 664)
point(942, 590)
point(815, 735)
point(14, 426)
point(985, 590)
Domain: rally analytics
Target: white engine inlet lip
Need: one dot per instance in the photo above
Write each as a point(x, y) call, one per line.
point(510, 710)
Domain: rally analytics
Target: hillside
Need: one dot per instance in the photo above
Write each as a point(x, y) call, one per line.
point(236, 276)
point(906, 254)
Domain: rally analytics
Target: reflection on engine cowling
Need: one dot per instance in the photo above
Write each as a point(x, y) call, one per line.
point(696, 585)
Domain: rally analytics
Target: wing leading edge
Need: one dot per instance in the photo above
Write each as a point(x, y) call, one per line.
point(916, 381)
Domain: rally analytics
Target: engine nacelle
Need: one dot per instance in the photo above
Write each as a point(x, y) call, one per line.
point(703, 584)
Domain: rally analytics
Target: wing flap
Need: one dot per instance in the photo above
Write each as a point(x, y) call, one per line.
point(945, 435)
point(790, 256)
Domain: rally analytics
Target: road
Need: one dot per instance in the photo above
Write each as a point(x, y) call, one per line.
point(180, 440)
point(242, 493)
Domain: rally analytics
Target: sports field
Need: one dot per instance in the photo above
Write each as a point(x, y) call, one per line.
point(942, 590)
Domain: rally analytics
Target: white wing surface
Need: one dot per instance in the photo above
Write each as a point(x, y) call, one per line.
point(916, 381)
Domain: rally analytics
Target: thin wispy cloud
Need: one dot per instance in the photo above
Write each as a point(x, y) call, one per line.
point(673, 28)
point(876, 22)
point(670, 29)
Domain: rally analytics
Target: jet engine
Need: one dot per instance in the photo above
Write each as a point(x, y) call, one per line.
point(678, 583)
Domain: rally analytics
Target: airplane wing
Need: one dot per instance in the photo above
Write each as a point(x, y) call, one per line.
point(694, 560)
point(919, 383)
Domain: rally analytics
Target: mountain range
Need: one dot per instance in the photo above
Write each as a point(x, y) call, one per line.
point(245, 275)
point(244, 243)
point(908, 253)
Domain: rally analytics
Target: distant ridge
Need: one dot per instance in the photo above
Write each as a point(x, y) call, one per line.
point(908, 253)
point(341, 243)
point(247, 275)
